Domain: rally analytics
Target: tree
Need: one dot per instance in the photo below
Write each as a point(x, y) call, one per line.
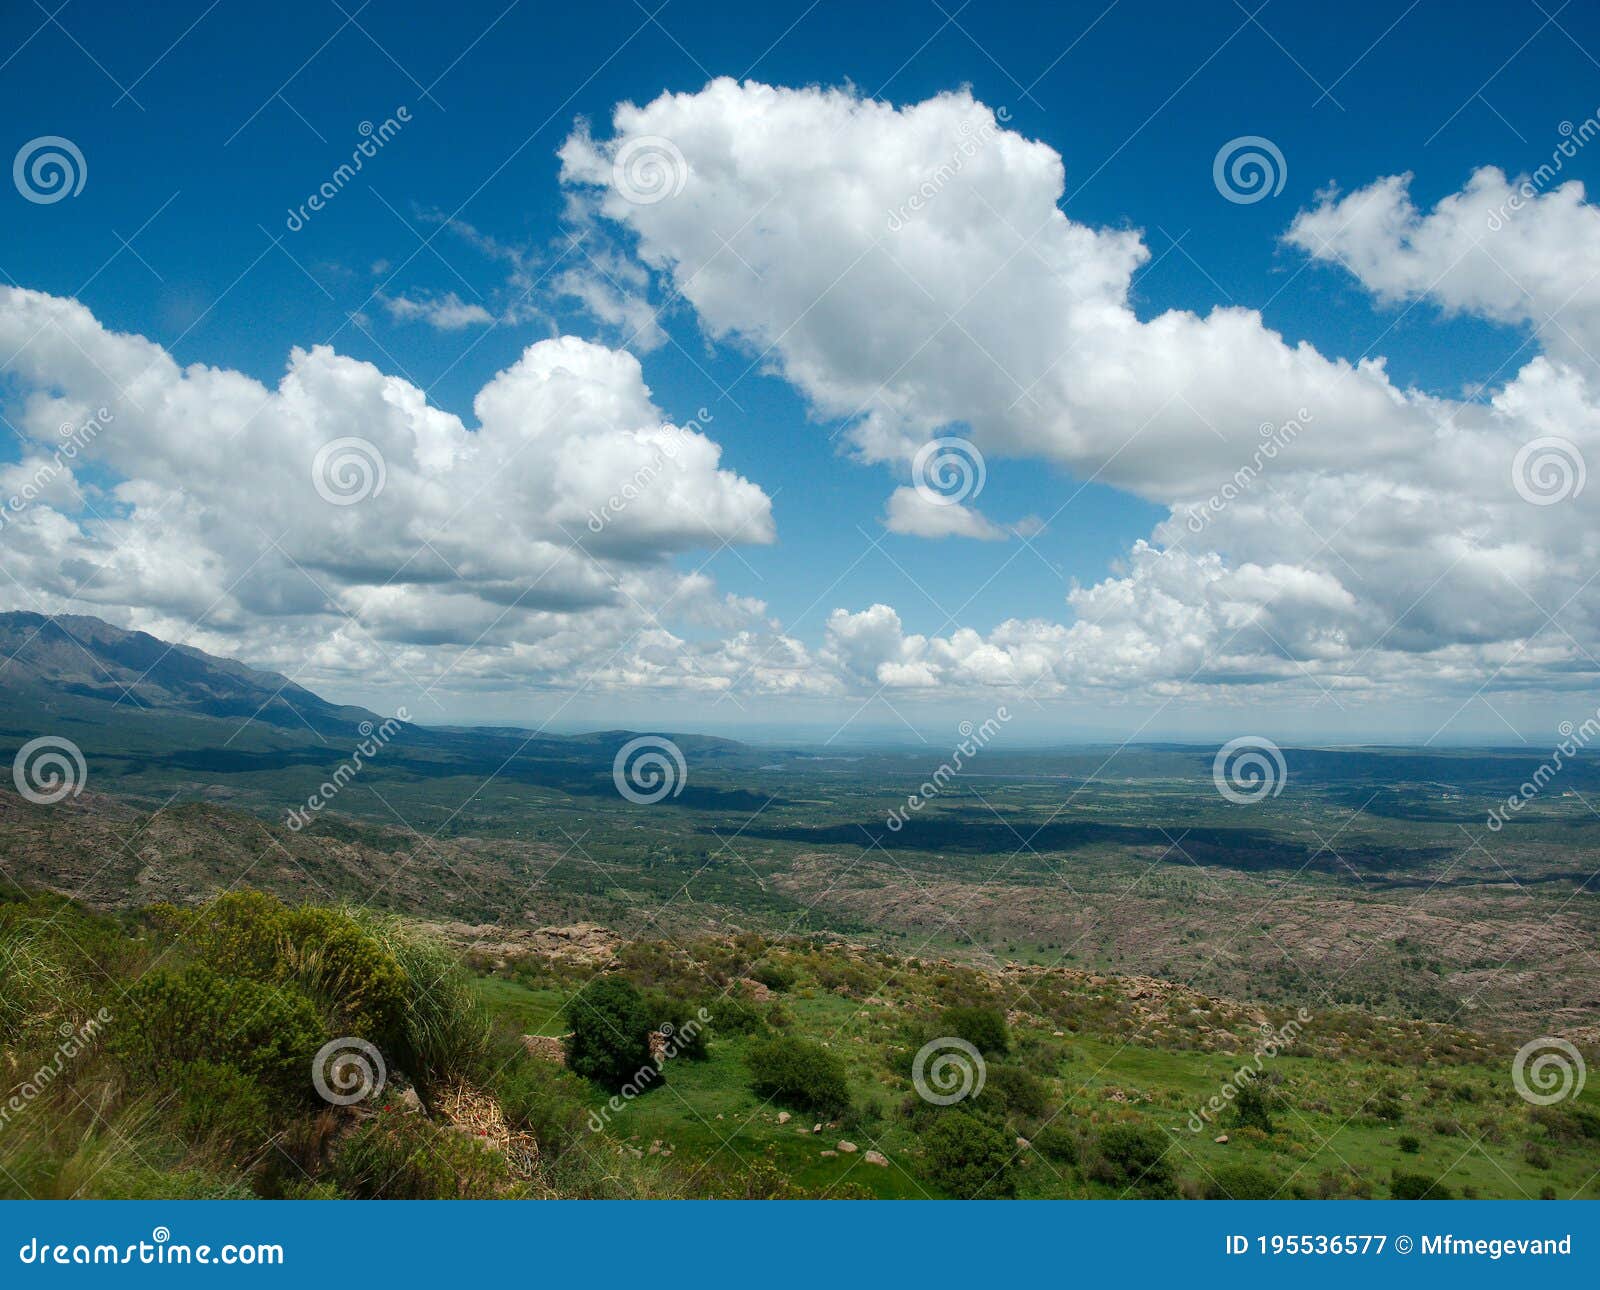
point(1134, 1160)
point(610, 1041)
point(983, 1028)
point(799, 1073)
point(1252, 1108)
point(969, 1158)
point(1418, 1187)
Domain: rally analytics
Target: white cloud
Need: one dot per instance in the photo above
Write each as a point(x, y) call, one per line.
point(913, 513)
point(446, 313)
point(909, 270)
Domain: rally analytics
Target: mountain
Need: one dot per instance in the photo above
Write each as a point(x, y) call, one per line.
point(44, 660)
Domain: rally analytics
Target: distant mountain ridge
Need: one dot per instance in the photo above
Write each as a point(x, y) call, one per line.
point(87, 658)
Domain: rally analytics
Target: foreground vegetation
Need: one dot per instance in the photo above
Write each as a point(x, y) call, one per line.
point(170, 1052)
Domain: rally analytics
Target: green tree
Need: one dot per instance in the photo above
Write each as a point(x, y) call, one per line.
point(969, 1158)
point(610, 1041)
point(799, 1073)
point(983, 1028)
point(1134, 1161)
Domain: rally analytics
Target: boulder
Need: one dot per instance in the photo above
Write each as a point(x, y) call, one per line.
point(876, 1158)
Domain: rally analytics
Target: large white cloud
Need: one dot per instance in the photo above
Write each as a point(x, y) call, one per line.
point(205, 499)
point(909, 269)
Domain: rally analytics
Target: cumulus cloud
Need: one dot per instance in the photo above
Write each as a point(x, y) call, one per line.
point(909, 269)
point(912, 512)
point(340, 505)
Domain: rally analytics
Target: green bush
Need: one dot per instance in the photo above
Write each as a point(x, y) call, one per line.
point(732, 1015)
point(1240, 1182)
point(1252, 1108)
point(219, 1105)
point(1409, 1143)
point(983, 1028)
point(800, 1074)
point(969, 1158)
point(1418, 1187)
point(1057, 1141)
point(1018, 1090)
point(400, 1156)
point(1133, 1160)
point(170, 1019)
point(540, 1098)
point(774, 977)
point(611, 1027)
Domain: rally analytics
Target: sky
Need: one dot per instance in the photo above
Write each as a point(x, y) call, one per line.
point(1152, 370)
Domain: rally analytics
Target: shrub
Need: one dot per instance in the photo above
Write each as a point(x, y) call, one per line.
point(446, 1031)
point(1240, 1182)
point(983, 1028)
point(1018, 1090)
point(169, 1019)
point(1133, 1160)
point(220, 1105)
point(735, 1016)
point(337, 962)
point(774, 977)
point(799, 1073)
point(968, 1157)
point(396, 1155)
point(540, 1098)
point(1252, 1108)
point(1409, 1143)
point(1535, 1155)
point(1058, 1142)
point(1418, 1187)
point(611, 1026)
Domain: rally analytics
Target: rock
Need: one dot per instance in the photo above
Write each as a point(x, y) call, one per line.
point(754, 989)
point(1059, 1034)
point(783, 1117)
point(830, 1153)
point(546, 1047)
point(876, 1158)
point(849, 1148)
point(1221, 1137)
point(1023, 1144)
point(410, 1103)
point(816, 1128)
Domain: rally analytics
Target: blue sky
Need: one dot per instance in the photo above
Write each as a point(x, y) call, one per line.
point(201, 128)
